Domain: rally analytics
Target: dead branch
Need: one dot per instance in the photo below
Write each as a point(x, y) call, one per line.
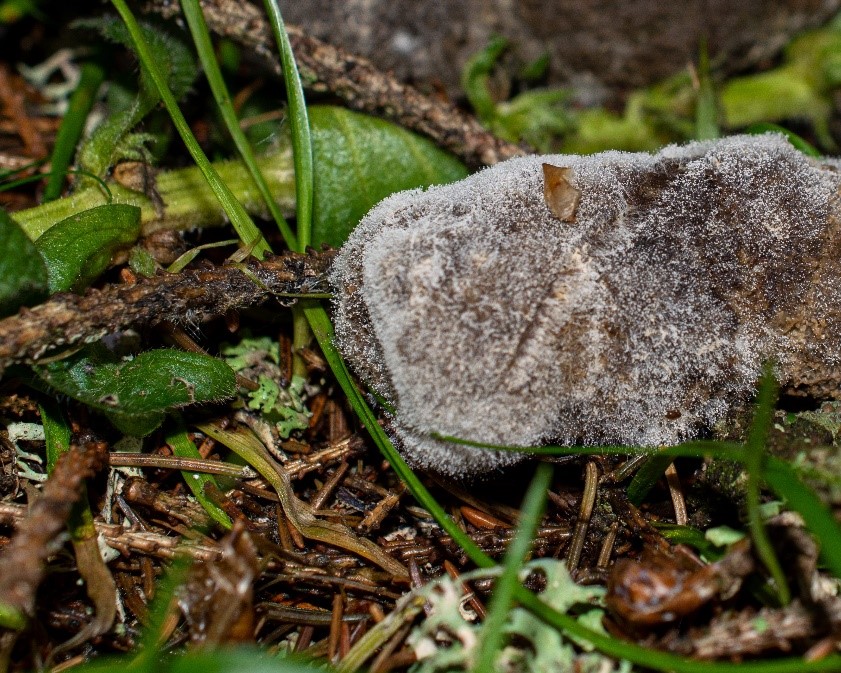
point(22, 561)
point(357, 81)
point(193, 296)
point(127, 540)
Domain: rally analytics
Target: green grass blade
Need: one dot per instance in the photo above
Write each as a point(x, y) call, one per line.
point(204, 47)
point(803, 145)
point(693, 449)
point(783, 480)
point(664, 661)
point(531, 513)
point(475, 79)
point(242, 223)
point(152, 638)
point(302, 158)
point(706, 106)
point(72, 127)
point(56, 433)
point(755, 456)
point(57, 437)
point(647, 476)
point(299, 125)
point(181, 445)
point(323, 330)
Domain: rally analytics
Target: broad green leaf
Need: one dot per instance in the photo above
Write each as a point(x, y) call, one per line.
point(136, 394)
point(359, 160)
point(78, 249)
point(23, 276)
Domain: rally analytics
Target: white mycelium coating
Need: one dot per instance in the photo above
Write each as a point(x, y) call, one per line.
point(479, 314)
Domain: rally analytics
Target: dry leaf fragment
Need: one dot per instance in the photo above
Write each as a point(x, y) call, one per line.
point(561, 197)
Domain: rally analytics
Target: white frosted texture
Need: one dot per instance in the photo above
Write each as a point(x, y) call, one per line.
point(478, 314)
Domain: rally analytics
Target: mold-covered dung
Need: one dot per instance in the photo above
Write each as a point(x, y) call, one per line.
point(643, 315)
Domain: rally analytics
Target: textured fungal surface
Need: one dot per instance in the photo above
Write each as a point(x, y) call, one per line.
point(640, 316)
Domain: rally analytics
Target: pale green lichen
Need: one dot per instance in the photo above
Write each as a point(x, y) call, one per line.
point(447, 639)
point(283, 407)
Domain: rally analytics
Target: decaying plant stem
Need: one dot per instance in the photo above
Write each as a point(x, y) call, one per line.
point(360, 84)
point(195, 295)
point(184, 198)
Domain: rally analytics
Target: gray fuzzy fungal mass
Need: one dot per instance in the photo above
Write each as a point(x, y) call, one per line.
point(643, 318)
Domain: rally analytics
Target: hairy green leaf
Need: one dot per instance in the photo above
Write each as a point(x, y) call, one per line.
point(359, 160)
point(23, 276)
point(136, 394)
point(78, 249)
point(112, 140)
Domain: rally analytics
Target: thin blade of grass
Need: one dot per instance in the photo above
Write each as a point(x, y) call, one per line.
point(783, 480)
point(162, 606)
point(72, 127)
point(56, 433)
point(693, 449)
point(201, 39)
point(755, 458)
point(803, 145)
point(706, 106)
point(241, 221)
point(322, 328)
point(99, 582)
point(302, 159)
point(183, 447)
point(647, 476)
point(184, 259)
point(531, 513)
point(664, 661)
point(298, 124)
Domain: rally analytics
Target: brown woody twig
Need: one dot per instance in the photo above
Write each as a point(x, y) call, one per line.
point(355, 80)
point(192, 296)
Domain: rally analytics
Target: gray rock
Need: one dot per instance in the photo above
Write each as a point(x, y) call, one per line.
point(606, 43)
